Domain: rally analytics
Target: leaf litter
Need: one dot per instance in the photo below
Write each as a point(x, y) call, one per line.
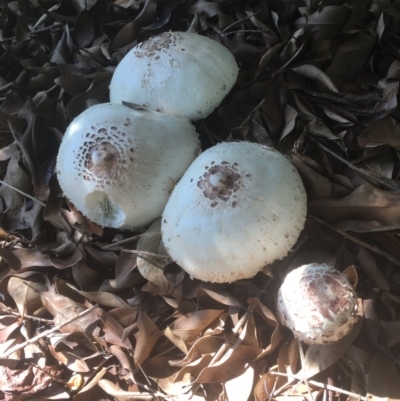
point(92, 313)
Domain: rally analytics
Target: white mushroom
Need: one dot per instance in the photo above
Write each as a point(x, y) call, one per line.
point(178, 73)
point(118, 165)
point(317, 303)
point(238, 207)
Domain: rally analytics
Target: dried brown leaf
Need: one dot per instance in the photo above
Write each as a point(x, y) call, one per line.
point(272, 321)
point(65, 262)
point(124, 360)
point(26, 292)
point(113, 330)
point(70, 360)
point(128, 33)
point(290, 121)
point(84, 29)
point(210, 298)
point(390, 332)
point(97, 92)
point(27, 381)
point(194, 368)
point(351, 55)
point(22, 258)
point(188, 327)
point(369, 265)
point(312, 72)
point(63, 308)
point(381, 132)
point(203, 346)
point(146, 337)
point(126, 263)
point(152, 267)
point(18, 178)
point(74, 85)
point(264, 387)
point(383, 379)
point(325, 22)
point(236, 360)
point(366, 203)
point(114, 390)
point(105, 298)
point(241, 386)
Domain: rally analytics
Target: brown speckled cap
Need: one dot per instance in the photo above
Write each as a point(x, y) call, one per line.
point(118, 165)
point(239, 207)
point(317, 303)
point(177, 73)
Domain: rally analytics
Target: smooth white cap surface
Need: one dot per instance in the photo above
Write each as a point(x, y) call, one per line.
point(317, 303)
point(118, 166)
point(178, 73)
point(238, 207)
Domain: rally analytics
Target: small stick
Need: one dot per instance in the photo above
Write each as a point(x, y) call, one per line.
point(252, 112)
point(360, 171)
point(121, 242)
point(46, 333)
point(228, 343)
point(145, 253)
point(247, 30)
point(21, 192)
point(37, 319)
point(112, 389)
point(210, 136)
point(357, 241)
point(240, 20)
point(303, 365)
point(320, 385)
point(26, 156)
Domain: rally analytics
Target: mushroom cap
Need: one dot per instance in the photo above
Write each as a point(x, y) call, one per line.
point(177, 73)
point(238, 207)
point(118, 166)
point(317, 303)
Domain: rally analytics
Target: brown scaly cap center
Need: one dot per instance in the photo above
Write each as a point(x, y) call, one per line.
point(220, 182)
point(157, 43)
point(328, 294)
point(102, 159)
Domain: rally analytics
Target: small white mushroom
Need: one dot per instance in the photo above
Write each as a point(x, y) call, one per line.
point(317, 303)
point(178, 73)
point(238, 207)
point(118, 166)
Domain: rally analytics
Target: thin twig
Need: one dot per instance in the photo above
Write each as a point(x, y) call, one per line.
point(210, 136)
point(37, 319)
point(44, 16)
point(374, 249)
point(247, 30)
point(240, 20)
point(122, 242)
point(115, 391)
point(156, 255)
point(303, 365)
point(360, 171)
point(228, 343)
point(46, 333)
point(320, 385)
point(47, 28)
point(252, 112)
point(22, 193)
point(26, 156)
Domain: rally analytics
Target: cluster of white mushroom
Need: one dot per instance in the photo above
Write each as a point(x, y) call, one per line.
point(227, 212)
point(118, 165)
